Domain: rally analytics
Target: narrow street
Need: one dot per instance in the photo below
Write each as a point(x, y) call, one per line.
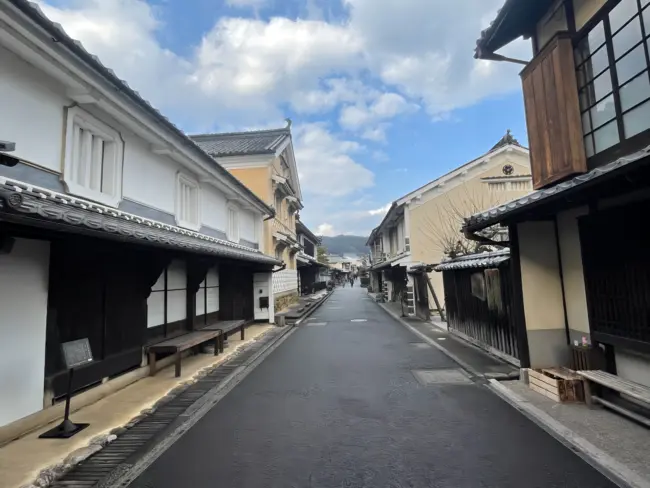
point(338, 405)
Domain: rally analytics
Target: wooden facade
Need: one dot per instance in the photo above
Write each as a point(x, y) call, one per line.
point(553, 114)
point(479, 304)
point(617, 275)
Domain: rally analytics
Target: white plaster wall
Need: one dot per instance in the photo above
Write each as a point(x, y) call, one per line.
point(176, 291)
point(35, 104)
point(214, 212)
point(540, 276)
point(212, 280)
point(572, 272)
point(247, 225)
point(148, 178)
point(400, 236)
point(262, 287)
point(23, 306)
point(156, 303)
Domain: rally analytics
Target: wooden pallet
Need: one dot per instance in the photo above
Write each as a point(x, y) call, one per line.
point(558, 384)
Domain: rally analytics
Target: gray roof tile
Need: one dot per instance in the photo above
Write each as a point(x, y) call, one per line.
point(242, 143)
point(476, 261)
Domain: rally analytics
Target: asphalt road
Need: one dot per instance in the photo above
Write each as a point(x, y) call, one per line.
point(338, 405)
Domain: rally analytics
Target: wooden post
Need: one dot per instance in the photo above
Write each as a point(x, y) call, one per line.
point(152, 363)
point(177, 367)
point(435, 297)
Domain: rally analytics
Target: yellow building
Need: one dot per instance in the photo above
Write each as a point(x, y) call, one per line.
point(423, 227)
point(264, 161)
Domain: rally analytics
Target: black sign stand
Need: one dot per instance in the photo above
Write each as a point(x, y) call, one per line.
point(75, 353)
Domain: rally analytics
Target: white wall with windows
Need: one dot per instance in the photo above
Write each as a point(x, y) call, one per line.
point(98, 159)
point(233, 229)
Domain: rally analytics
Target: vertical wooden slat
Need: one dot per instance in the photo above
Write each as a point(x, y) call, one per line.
point(553, 114)
point(76, 152)
point(96, 164)
point(85, 161)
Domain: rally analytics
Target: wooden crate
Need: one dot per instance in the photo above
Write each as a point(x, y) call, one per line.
point(561, 385)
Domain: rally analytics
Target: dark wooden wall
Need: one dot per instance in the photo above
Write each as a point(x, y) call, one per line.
point(236, 292)
point(616, 264)
point(97, 290)
point(479, 318)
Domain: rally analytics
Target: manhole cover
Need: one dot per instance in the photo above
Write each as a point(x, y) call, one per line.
point(316, 324)
point(440, 377)
point(420, 345)
point(359, 320)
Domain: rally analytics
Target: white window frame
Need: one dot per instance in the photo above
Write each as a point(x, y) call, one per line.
point(233, 230)
point(78, 117)
point(195, 199)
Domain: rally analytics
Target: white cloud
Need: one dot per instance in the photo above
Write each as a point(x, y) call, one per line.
point(381, 211)
point(325, 230)
point(326, 163)
point(369, 68)
point(369, 118)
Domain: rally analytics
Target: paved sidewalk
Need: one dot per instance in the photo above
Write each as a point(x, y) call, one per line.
point(22, 460)
point(616, 443)
point(470, 357)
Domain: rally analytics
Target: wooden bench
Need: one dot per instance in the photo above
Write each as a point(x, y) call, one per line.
point(225, 327)
point(633, 390)
point(182, 343)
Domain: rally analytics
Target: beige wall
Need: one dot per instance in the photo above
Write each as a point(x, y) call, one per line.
point(257, 180)
point(437, 215)
point(572, 272)
point(542, 294)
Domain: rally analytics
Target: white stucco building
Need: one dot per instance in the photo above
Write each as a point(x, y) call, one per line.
point(114, 226)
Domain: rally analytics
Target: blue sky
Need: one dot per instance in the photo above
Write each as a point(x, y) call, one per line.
point(384, 95)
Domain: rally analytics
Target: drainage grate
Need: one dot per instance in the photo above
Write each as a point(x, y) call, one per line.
point(428, 377)
point(101, 465)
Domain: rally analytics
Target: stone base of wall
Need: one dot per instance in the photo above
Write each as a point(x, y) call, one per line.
point(285, 300)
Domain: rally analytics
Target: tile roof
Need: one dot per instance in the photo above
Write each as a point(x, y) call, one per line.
point(508, 138)
point(20, 200)
point(59, 35)
point(497, 214)
point(514, 19)
point(242, 143)
point(476, 261)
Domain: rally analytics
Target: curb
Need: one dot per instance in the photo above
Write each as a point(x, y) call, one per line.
point(433, 343)
point(313, 309)
point(615, 471)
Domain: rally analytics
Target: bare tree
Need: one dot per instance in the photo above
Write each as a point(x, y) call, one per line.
point(444, 226)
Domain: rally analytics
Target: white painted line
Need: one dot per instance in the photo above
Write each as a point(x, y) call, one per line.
point(359, 320)
point(442, 338)
point(603, 462)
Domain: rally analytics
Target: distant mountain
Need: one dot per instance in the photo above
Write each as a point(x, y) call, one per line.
point(346, 245)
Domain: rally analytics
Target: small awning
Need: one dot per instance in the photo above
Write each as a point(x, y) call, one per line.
point(476, 261)
point(568, 188)
point(39, 207)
